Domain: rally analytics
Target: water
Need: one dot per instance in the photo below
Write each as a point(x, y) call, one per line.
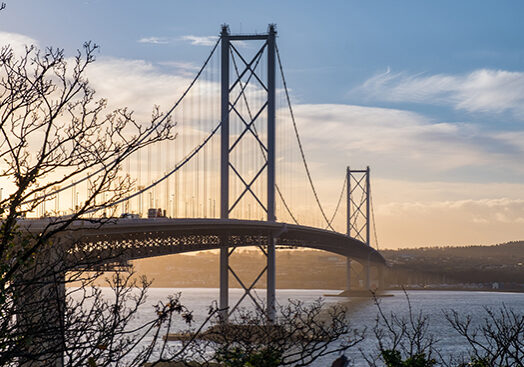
point(362, 312)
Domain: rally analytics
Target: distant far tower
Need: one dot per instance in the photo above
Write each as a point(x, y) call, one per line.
point(358, 215)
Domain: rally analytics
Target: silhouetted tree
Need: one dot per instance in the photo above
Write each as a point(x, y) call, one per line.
point(494, 339)
point(53, 131)
point(497, 339)
point(401, 340)
point(301, 335)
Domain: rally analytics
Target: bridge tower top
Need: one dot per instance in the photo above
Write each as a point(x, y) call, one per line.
point(234, 95)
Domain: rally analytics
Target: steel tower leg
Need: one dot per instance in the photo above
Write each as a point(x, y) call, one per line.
point(368, 226)
point(224, 173)
point(271, 265)
point(348, 225)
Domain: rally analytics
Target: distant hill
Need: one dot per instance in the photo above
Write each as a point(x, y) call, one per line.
point(505, 252)
point(296, 269)
point(316, 269)
point(502, 263)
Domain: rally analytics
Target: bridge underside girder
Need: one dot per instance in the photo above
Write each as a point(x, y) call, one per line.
point(130, 239)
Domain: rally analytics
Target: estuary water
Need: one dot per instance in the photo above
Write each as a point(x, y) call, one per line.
point(362, 311)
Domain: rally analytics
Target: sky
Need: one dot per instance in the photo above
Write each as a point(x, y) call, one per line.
point(430, 95)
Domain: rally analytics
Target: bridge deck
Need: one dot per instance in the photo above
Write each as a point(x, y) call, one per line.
point(141, 238)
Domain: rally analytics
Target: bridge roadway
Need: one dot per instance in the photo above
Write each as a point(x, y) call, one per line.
point(141, 238)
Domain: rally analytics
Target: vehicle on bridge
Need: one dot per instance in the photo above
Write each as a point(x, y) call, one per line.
point(156, 213)
point(129, 216)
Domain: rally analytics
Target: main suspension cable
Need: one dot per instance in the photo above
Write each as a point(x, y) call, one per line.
point(339, 201)
point(373, 220)
point(178, 166)
point(129, 149)
point(300, 143)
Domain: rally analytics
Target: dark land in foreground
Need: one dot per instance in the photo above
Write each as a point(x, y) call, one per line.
point(497, 267)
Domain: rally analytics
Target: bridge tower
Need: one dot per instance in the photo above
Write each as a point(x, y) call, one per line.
point(358, 223)
point(238, 83)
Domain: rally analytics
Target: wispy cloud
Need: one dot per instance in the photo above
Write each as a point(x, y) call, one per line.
point(121, 81)
point(180, 68)
point(194, 40)
point(482, 90)
point(155, 40)
point(181, 65)
point(200, 40)
point(18, 42)
point(412, 142)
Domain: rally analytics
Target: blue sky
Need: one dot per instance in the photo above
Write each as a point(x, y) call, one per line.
point(430, 94)
point(328, 46)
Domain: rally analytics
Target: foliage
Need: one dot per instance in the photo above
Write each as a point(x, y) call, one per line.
point(301, 334)
point(236, 357)
point(495, 339)
point(54, 131)
point(393, 358)
point(402, 341)
point(475, 362)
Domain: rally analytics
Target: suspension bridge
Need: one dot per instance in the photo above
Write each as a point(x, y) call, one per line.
point(236, 175)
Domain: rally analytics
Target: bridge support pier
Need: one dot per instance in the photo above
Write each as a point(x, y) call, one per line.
point(40, 300)
point(224, 284)
point(271, 280)
point(348, 274)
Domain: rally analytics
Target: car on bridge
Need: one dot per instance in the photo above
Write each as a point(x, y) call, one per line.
point(129, 216)
point(156, 213)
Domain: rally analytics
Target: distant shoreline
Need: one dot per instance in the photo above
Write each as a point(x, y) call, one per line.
point(461, 290)
point(385, 290)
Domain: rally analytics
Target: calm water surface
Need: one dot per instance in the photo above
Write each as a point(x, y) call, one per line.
point(362, 311)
